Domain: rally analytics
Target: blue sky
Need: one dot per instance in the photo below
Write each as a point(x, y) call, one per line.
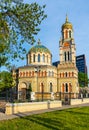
point(56, 10)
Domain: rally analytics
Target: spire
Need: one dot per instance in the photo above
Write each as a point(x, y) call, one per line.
point(66, 18)
point(39, 42)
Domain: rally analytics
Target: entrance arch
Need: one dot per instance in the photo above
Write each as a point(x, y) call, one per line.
point(22, 91)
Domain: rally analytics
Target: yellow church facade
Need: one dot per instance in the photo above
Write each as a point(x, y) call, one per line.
point(42, 78)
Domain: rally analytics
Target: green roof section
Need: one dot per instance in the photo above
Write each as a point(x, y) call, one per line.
point(39, 48)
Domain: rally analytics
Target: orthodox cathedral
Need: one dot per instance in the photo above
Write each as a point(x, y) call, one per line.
point(42, 78)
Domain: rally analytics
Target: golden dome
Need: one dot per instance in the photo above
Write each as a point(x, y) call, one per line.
point(67, 24)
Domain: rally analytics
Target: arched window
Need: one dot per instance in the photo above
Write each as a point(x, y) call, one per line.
point(51, 87)
point(23, 74)
point(32, 73)
point(52, 73)
point(65, 56)
point(45, 73)
point(33, 57)
point(66, 34)
point(38, 57)
point(63, 88)
point(43, 58)
point(70, 34)
point(66, 87)
point(63, 74)
point(20, 74)
point(72, 74)
point(60, 75)
point(29, 73)
point(68, 56)
point(42, 88)
point(26, 73)
point(66, 74)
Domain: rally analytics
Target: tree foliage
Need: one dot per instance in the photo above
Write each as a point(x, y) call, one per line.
point(83, 79)
point(19, 23)
point(6, 80)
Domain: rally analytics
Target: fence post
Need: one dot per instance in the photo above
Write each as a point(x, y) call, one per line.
point(82, 97)
point(48, 104)
point(59, 95)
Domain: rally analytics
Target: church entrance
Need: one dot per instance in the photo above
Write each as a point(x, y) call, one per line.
point(23, 94)
point(65, 98)
point(65, 94)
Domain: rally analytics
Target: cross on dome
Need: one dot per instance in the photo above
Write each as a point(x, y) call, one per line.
point(39, 42)
point(66, 18)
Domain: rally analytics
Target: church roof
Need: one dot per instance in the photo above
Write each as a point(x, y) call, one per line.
point(67, 24)
point(39, 48)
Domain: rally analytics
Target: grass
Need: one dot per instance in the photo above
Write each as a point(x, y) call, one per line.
point(69, 119)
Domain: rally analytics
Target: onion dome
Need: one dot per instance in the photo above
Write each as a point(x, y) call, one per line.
point(39, 48)
point(67, 24)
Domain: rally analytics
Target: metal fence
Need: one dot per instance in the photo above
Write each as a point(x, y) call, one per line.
point(11, 96)
point(16, 97)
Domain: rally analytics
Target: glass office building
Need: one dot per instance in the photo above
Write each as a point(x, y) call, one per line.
point(81, 63)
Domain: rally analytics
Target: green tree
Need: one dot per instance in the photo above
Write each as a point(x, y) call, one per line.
point(6, 80)
point(19, 24)
point(83, 79)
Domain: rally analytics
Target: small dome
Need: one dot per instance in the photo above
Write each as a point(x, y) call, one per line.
point(67, 24)
point(39, 48)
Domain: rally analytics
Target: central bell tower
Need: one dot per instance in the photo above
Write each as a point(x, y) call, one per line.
point(67, 70)
point(67, 45)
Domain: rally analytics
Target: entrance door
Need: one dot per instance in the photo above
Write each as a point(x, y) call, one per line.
point(66, 99)
point(23, 93)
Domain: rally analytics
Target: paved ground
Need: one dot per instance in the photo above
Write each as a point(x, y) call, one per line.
point(7, 117)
